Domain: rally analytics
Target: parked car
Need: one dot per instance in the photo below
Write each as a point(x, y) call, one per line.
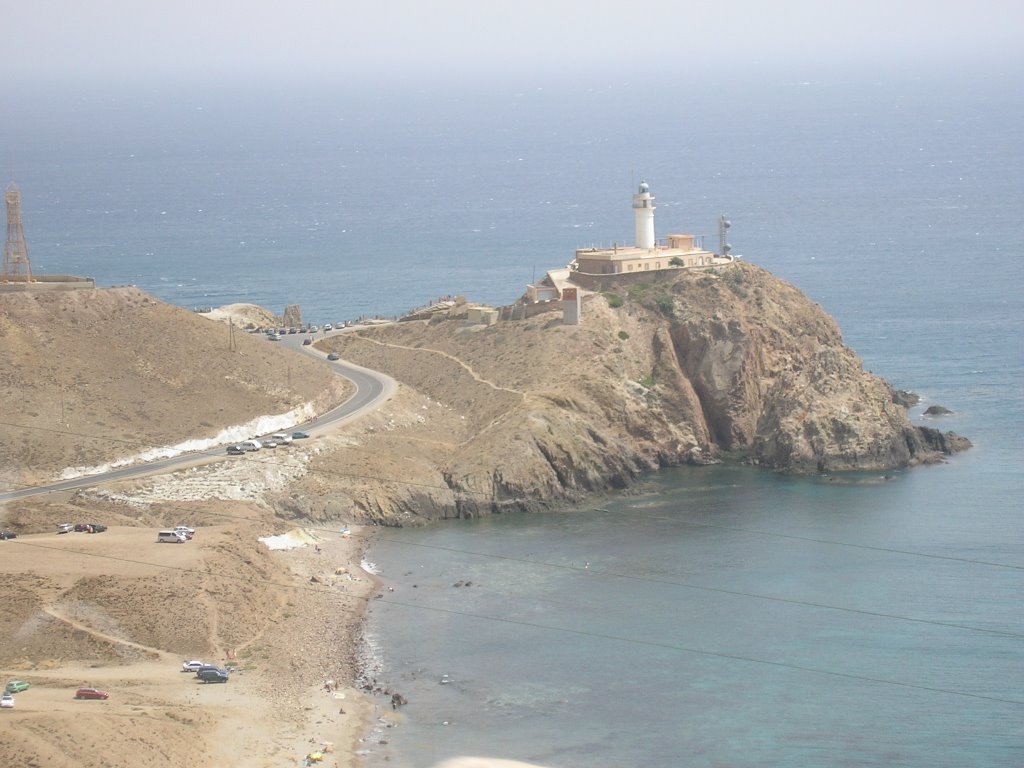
point(193, 666)
point(213, 675)
point(299, 435)
point(268, 443)
point(328, 327)
point(16, 686)
point(307, 341)
point(273, 337)
point(7, 701)
point(334, 356)
point(281, 438)
point(8, 535)
point(235, 450)
point(91, 693)
point(65, 528)
point(90, 527)
point(187, 532)
point(209, 668)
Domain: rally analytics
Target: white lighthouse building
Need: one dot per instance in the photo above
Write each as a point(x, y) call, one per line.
point(643, 212)
point(646, 255)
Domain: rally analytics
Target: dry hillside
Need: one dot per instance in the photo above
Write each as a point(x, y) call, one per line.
point(87, 377)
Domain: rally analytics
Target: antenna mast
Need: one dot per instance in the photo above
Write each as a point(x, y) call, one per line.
point(16, 263)
point(723, 229)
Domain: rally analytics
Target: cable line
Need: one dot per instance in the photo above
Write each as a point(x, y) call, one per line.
point(467, 492)
point(618, 575)
point(555, 628)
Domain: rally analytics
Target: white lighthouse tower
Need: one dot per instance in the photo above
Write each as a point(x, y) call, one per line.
point(643, 211)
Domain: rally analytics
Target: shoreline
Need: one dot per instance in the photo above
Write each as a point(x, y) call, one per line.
point(340, 717)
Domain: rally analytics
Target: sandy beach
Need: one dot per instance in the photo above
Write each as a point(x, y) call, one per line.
point(292, 691)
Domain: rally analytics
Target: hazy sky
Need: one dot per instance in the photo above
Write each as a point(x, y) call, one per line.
point(384, 40)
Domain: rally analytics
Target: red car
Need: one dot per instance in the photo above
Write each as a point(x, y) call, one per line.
point(90, 693)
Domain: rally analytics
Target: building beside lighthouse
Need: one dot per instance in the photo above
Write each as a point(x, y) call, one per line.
point(647, 253)
point(599, 269)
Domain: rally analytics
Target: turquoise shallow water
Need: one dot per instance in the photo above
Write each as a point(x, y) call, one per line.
point(715, 617)
point(721, 616)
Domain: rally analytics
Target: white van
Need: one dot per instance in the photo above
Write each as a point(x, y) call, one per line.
point(250, 445)
point(281, 438)
point(170, 537)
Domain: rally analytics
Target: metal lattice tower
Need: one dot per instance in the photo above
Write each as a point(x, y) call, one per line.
point(16, 263)
point(723, 229)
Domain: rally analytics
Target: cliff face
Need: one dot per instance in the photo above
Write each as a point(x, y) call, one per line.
point(658, 374)
point(775, 380)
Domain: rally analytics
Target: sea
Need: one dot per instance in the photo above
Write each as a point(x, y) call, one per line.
point(708, 617)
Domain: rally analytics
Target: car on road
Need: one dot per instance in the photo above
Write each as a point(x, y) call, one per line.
point(91, 693)
point(307, 341)
point(16, 686)
point(65, 528)
point(235, 450)
point(268, 443)
point(281, 438)
point(328, 327)
point(299, 435)
point(193, 666)
point(273, 337)
point(7, 701)
point(8, 535)
point(334, 356)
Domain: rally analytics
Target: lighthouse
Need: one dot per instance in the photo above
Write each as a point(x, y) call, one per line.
point(643, 211)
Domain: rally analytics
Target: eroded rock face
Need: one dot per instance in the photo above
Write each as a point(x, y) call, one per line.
point(774, 380)
point(671, 372)
point(292, 317)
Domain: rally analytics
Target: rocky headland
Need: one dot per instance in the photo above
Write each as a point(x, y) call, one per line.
point(729, 364)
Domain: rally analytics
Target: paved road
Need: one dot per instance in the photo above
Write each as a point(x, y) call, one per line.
point(372, 390)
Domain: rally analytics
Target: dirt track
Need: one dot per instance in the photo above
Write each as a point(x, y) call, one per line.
point(67, 628)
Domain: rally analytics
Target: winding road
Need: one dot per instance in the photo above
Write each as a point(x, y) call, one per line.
point(373, 389)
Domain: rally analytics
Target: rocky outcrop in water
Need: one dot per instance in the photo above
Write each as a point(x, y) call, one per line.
point(690, 367)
